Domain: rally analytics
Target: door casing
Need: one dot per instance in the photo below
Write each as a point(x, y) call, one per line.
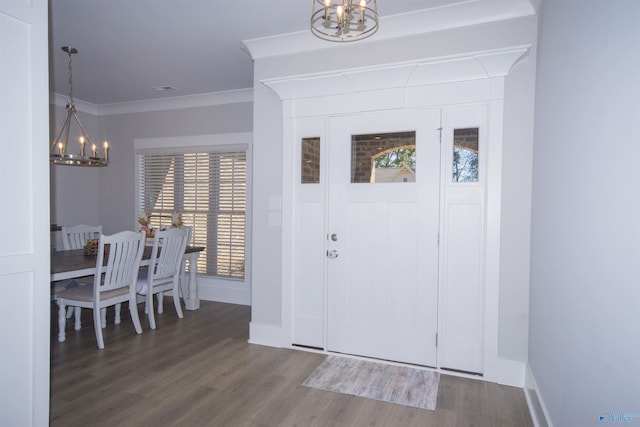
point(304, 108)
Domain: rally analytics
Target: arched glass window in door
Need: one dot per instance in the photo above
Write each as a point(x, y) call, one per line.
point(383, 158)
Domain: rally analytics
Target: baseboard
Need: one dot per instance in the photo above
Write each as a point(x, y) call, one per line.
point(231, 292)
point(506, 371)
point(537, 408)
point(226, 294)
point(264, 334)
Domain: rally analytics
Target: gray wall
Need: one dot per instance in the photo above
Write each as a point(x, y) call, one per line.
point(107, 195)
point(584, 347)
point(514, 285)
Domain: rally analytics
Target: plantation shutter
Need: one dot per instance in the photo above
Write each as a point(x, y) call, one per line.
point(209, 190)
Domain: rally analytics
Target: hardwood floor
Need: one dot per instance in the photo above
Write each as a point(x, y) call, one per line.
point(200, 371)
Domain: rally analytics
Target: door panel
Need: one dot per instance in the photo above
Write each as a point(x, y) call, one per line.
point(382, 286)
point(24, 234)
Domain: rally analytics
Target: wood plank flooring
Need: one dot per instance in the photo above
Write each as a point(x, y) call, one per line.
point(200, 371)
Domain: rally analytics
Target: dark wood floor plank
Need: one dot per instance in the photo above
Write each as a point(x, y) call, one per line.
point(201, 371)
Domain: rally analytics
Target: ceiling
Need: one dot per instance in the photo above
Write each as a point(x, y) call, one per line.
point(128, 47)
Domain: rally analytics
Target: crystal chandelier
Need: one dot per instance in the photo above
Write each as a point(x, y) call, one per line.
point(58, 153)
point(344, 20)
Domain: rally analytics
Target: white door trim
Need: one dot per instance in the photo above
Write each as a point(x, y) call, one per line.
point(477, 78)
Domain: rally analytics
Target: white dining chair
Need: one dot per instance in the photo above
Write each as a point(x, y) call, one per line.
point(76, 237)
point(163, 274)
point(113, 283)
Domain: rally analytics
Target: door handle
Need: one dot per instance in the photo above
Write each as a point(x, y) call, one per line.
point(332, 254)
point(334, 237)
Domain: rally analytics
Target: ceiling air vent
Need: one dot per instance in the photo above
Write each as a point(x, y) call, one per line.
point(163, 88)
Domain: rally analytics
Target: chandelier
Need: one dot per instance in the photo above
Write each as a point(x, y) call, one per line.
point(58, 153)
point(344, 20)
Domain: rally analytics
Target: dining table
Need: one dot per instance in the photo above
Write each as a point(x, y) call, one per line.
point(76, 263)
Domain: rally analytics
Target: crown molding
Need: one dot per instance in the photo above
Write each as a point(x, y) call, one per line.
point(421, 72)
point(82, 106)
point(173, 103)
point(461, 14)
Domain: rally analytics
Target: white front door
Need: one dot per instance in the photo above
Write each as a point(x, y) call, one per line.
point(383, 235)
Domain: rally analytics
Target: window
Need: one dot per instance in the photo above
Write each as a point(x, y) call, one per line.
point(465, 155)
point(388, 157)
point(310, 161)
point(209, 189)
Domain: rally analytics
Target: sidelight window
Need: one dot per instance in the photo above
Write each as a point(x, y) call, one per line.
point(310, 161)
point(465, 155)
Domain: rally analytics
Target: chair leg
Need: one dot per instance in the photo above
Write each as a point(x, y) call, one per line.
point(181, 283)
point(77, 312)
point(69, 312)
point(62, 321)
point(97, 325)
point(118, 307)
point(160, 296)
point(103, 317)
point(176, 300)
point(133, 309)
point(149, 307)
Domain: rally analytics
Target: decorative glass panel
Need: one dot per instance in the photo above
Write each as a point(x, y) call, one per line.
point(387, 157)
point(310, 161)
point(465, 155)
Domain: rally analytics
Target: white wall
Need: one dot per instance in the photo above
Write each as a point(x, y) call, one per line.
point(516, 210)
point(267, 279)
point(584, 348)
point(266, 246)
point(107, 195)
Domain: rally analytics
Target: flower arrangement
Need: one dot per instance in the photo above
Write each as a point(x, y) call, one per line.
point(176, 219)
point(91, 247)
point(144, 219)
point(145, 223)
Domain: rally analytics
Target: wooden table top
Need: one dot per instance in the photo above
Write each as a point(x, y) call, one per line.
point(64, 261)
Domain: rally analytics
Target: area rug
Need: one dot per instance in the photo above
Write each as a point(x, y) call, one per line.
point(374, 380)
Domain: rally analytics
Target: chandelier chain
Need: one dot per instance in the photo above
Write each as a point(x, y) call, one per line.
point(70, 74)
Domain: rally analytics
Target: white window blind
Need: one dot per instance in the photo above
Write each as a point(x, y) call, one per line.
point(209, 189)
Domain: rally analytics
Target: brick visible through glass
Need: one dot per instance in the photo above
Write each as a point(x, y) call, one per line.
point(310, 161)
